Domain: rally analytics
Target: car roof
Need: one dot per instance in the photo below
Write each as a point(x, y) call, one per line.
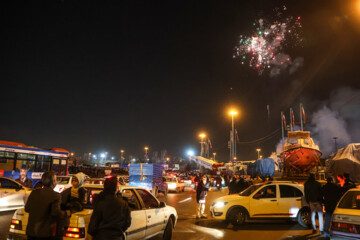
point(98, 186)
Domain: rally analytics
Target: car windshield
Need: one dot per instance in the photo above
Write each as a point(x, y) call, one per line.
point(171, 179)
point(249, 190)
point(351, 200)
point(63, 180)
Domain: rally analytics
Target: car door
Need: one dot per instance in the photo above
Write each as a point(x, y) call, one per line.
point(264, 202)
point(138, 215)
point(290, 200)
point(154, 214)
point(12, 194)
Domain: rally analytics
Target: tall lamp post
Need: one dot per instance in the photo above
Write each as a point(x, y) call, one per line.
point(202, 136)
point(122, 156)
point(214, 155)
point(146, 153)
point(258, 152)
point(233, 137)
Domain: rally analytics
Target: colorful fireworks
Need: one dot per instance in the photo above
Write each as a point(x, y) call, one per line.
point(264, 48)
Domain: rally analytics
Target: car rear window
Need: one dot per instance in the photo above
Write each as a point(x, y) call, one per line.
point(351, 200)
point(287, 191)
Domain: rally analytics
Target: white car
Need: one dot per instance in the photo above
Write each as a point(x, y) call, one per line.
point(278, 199)
point(12, 194)
point(149, 216)
point(175, 184)
point(345, 222)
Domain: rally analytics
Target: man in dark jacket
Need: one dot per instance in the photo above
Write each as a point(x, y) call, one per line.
point(332, 194)
point(43, 207)
point(111, 216)
point(201, 192)
point(314, 198)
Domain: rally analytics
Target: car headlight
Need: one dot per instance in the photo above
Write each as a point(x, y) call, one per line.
point(172, 185)
point(220, 204)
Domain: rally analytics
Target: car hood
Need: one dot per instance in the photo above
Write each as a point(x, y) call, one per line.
point(232, 197)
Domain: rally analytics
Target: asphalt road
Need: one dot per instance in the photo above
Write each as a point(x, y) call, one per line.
point(188, 227)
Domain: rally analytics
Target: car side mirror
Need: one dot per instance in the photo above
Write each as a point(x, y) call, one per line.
point(162, 205)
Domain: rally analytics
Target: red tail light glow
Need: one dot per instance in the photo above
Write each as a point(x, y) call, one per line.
point(74, 232)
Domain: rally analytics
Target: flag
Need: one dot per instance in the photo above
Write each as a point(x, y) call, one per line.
point(292, 117)
point(237, 136)
point(209, 143)
point(303, 113)
point(284, 120)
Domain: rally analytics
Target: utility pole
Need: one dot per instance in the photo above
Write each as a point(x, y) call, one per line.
point(336, 148)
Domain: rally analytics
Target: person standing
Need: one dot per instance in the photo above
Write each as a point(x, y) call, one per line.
point(313, 196)
point(201, 192)
point(111, 216)
point(23, 179)
point(43, 206)
point(232, 186)
point(332, 194)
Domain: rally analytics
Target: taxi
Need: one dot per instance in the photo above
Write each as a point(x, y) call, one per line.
point(12, 194)
point(149, 216)
point(276, 199)
point(174, 184)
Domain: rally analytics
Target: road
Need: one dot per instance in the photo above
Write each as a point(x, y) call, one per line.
point(188, 227)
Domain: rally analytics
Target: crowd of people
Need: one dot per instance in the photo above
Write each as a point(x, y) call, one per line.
point(50, 212)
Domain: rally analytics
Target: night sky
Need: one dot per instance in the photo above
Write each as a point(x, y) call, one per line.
point(92, 76)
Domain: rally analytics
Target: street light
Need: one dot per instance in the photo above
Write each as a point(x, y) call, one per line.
point(233, 112)
point(146, 152)
point(258, 152)
point(202, 136)
point(122, 156)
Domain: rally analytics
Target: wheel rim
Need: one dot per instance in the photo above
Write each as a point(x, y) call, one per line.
point(239, 217)
point(305, 216)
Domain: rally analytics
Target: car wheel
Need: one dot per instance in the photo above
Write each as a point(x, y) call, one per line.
point(168, 230)
point(304, 217)
point(237, 216)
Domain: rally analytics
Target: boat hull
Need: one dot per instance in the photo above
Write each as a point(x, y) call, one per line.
point(300, 159)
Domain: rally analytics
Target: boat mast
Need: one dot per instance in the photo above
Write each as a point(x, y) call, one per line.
point(282, 126)
point(301, 118)
point(291, 119)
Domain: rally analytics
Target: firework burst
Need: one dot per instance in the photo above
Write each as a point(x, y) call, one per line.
point(264, 48)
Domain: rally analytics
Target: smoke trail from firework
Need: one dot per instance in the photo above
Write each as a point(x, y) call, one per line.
point(263, 49)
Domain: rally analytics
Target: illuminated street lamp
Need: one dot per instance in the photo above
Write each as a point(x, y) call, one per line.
point(258, 152)
point(233, 112)
point(168, 159)
point(146, 153)
point(202, 136)
point(122, 156)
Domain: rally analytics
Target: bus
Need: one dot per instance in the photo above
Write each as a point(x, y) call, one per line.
point(14, 156)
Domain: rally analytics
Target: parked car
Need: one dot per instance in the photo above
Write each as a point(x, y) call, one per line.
point(12, 194)
point(175, 184)
point(345, 223)
point(149, 216)
point(277, 199)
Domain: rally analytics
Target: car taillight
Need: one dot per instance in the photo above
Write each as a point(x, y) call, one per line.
point(344, 227)
point(74, 232)
point(60, 189)
point(15, 224)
